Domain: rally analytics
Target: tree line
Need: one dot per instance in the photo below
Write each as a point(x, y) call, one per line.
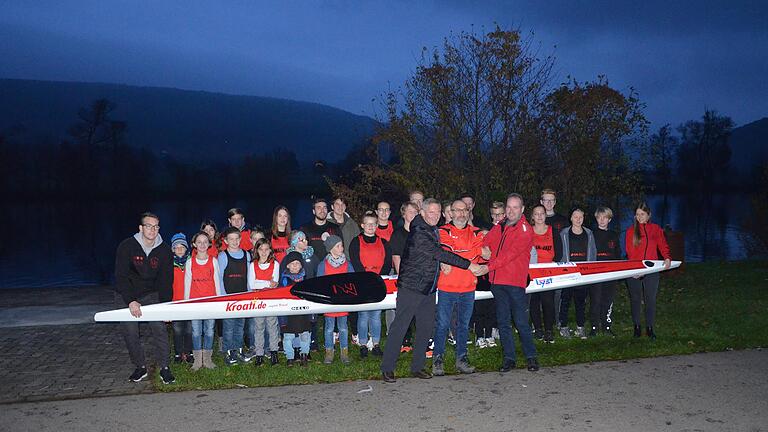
point(480, 115)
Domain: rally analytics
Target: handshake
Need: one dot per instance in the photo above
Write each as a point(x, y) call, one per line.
point(478, 270)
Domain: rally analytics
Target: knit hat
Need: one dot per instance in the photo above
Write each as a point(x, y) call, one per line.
point(293, 256)
point(179, 239)
point(331, 241)
point(296, 236)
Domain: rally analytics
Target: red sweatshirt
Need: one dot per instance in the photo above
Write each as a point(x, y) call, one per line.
point(510, 253)
point(652, 241)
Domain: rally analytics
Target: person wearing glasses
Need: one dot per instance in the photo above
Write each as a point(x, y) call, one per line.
point(144, 275)
point(384, 226)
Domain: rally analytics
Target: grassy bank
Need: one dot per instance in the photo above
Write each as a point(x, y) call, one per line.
point(708, 307)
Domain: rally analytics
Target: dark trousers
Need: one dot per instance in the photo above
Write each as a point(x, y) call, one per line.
point(410, 305)
point(579, 296)
point(543, 305)
point(182, 337)
point(644, 290)
point(512, 305)
point(484, 317)
point(352, 322)
point(130, 332)
point(601, 304)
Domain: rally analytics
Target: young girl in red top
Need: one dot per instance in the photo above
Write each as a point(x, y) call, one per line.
point(263, 272)
point(334, 263)
point(201, 279)
point(645, 240)
point(182, 330)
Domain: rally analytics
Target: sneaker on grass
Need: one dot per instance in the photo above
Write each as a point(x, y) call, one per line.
point(481, 343)
point(167, 376)
point(565, 332)
point(580, 333)
point(490, 342)
point(139, 374)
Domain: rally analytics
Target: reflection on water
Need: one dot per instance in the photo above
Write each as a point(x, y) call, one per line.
point(65, 244)
point(713, 225)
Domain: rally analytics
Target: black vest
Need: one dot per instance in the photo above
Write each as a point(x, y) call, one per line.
point(236, 274)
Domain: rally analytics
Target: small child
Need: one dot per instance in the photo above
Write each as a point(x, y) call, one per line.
point(182, 330)
point(201, 279)
point(335, 263)
point(263, 273)
point(295, 325)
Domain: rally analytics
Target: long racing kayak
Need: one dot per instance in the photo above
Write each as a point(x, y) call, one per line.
point(364, 291)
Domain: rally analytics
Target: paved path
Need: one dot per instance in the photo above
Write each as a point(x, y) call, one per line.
point(725, 391)
point(51, 349)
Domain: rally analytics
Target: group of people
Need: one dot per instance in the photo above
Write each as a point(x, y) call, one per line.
point(441, 252)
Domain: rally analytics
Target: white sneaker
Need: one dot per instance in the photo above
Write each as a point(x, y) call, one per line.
point(355, 340)
point(490, 342)
point(481, 343)
point(580, 333)
point(369, 344)
point(565, 332)
point(495, 333)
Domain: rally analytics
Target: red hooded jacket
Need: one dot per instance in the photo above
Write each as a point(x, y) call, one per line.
point(510, 253)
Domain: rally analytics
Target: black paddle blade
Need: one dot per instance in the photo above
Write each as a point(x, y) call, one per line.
point(342, 289)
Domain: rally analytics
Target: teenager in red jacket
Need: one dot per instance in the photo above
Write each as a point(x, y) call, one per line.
point(645, 240)
point(509, 245)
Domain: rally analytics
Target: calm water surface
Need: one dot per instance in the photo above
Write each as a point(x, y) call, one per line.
point(65, 244)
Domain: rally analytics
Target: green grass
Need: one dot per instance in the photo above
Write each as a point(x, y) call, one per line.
point(708, 307)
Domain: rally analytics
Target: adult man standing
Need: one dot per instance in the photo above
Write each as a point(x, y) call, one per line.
point(319, 228)
point(456, 287)
point(474, 220)
point(416, 285)
point(509, 245)
point(144, 275)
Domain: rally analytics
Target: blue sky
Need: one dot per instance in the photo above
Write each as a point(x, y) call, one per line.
point(681, 56)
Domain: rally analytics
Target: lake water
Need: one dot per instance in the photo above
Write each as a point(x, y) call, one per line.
point(65, 244)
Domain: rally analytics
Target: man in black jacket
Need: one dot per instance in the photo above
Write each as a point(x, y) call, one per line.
point(416, 285)
point(144, 275)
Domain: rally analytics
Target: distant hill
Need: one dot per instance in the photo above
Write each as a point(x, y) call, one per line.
point(749, 146)
point(188, 125)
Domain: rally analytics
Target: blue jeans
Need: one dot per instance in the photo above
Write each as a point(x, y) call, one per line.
point(202, 328)
point(464, 303)
point(232, 330)
point(303, 342)
point(369, 320)
point(343, 331)
point(513, 300)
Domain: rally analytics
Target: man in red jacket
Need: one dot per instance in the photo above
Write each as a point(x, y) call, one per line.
point(508, 249)
point(456, 287)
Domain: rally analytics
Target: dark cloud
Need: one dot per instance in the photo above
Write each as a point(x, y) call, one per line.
point(680, 55)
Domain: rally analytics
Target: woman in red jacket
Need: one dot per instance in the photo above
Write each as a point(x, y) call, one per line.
point(645, 240)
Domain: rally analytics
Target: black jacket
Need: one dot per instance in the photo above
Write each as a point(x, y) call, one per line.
point(137, 274)
point(422, 256)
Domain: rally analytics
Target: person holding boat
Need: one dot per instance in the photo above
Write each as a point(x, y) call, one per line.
point(645, 240)
point(144, 275)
